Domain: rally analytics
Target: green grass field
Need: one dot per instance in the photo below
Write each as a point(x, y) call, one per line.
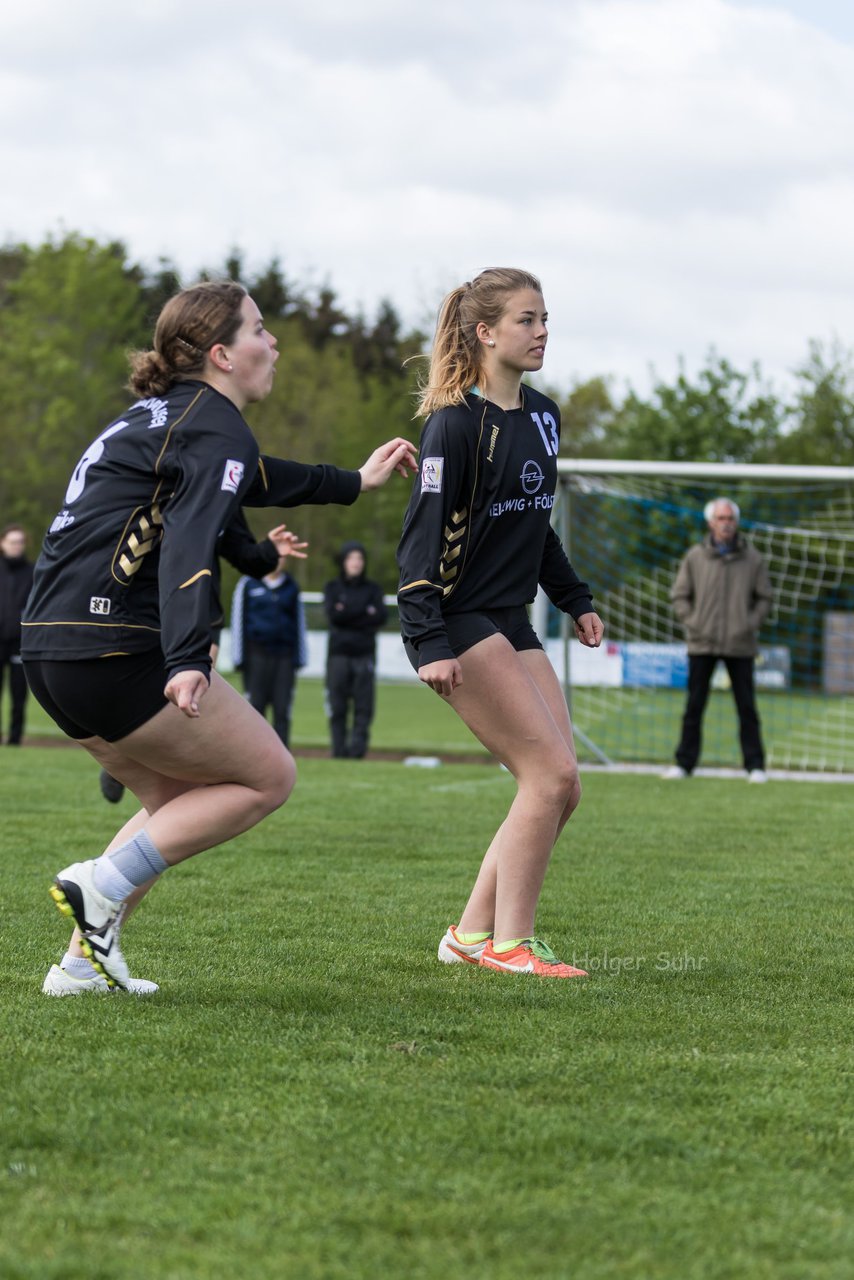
point(312, 1095)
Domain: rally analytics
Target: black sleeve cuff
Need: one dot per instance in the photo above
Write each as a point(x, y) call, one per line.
point(579, 607)
point(204, 667)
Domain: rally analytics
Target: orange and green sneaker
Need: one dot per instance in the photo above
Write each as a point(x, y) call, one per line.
point(531, 955)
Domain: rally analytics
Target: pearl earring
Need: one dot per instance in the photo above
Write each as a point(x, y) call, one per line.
point(490, 343)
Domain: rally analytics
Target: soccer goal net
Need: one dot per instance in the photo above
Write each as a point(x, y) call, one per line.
point(626, 526)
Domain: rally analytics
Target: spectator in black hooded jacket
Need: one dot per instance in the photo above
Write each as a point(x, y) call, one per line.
point(356, 612)
point(16, 579)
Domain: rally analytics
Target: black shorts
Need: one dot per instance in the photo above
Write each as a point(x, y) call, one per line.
point(465, 630)
point(100, 697)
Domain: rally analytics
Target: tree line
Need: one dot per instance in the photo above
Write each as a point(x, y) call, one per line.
point(71, 308)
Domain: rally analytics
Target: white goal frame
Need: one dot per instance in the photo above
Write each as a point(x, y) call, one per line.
point(700, 471)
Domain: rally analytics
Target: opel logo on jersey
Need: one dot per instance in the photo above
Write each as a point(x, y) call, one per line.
point(532, 477)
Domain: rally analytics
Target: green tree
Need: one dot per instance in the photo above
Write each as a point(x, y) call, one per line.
point(13, 259)
point(588, 416)
point(722, 415)
point(821, 413)
point(274, 294)
point(70, 314)
point(322, 318)
point(157, 288)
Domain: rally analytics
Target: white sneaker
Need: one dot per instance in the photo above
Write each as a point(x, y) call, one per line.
point(98, 919)
point(675, 771)
point(60, 983)
point(452, 951)
point(757, 775)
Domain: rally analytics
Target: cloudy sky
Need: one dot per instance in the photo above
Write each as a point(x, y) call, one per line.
point(680, 173)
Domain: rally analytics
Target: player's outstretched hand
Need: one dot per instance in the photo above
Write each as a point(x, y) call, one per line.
point(287, 543)
point(590, 629)
point(395, 455)
point(442, 676)
point(186, 690)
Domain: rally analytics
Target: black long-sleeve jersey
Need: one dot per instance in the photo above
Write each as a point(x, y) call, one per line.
point(477, 532)
point(127, 563)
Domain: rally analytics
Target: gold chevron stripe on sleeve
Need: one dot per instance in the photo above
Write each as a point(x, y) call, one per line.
point(455, 530)
point(141, 534)
point(138, 546)
point(129, 566)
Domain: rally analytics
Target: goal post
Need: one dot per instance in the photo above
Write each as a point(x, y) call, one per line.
point(626, 526)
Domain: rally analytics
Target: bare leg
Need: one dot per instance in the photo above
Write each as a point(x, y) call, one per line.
point(543, 673)
point(200, 781)
point(513, 704)
point(479, 913)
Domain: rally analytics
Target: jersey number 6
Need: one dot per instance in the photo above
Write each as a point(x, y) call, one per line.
point(77, 483)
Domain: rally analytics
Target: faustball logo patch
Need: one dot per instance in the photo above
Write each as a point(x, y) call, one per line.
point(431, 475)
point(232, 475)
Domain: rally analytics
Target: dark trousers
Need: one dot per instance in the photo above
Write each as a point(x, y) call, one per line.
point(700, 668)
point(10, 657)
point(349, 681)
point(269, 680)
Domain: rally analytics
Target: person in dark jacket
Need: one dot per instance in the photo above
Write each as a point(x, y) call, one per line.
point(721, 595)
point(268, 642)
point(16, 578)
point(355, 612)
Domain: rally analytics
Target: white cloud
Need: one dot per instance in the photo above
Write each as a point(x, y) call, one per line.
point(679, 175)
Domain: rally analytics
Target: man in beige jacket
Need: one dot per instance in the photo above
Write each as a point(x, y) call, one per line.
point(721, 595)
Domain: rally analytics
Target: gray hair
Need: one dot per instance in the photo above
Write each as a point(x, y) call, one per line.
point(709, 508)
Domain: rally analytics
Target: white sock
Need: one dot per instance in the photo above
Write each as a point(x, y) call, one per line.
point(117, 874)
point(77, 966)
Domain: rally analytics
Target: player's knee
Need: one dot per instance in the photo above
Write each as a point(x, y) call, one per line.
point(571, 784)
point(286, 779)
point(574, 796)
point(279, 780)
point(560, 783)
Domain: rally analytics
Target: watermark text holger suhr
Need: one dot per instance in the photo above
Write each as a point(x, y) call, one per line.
point(664, 961)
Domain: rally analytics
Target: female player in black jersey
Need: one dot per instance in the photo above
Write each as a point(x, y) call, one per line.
point(117, 628)
point(476, 543)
